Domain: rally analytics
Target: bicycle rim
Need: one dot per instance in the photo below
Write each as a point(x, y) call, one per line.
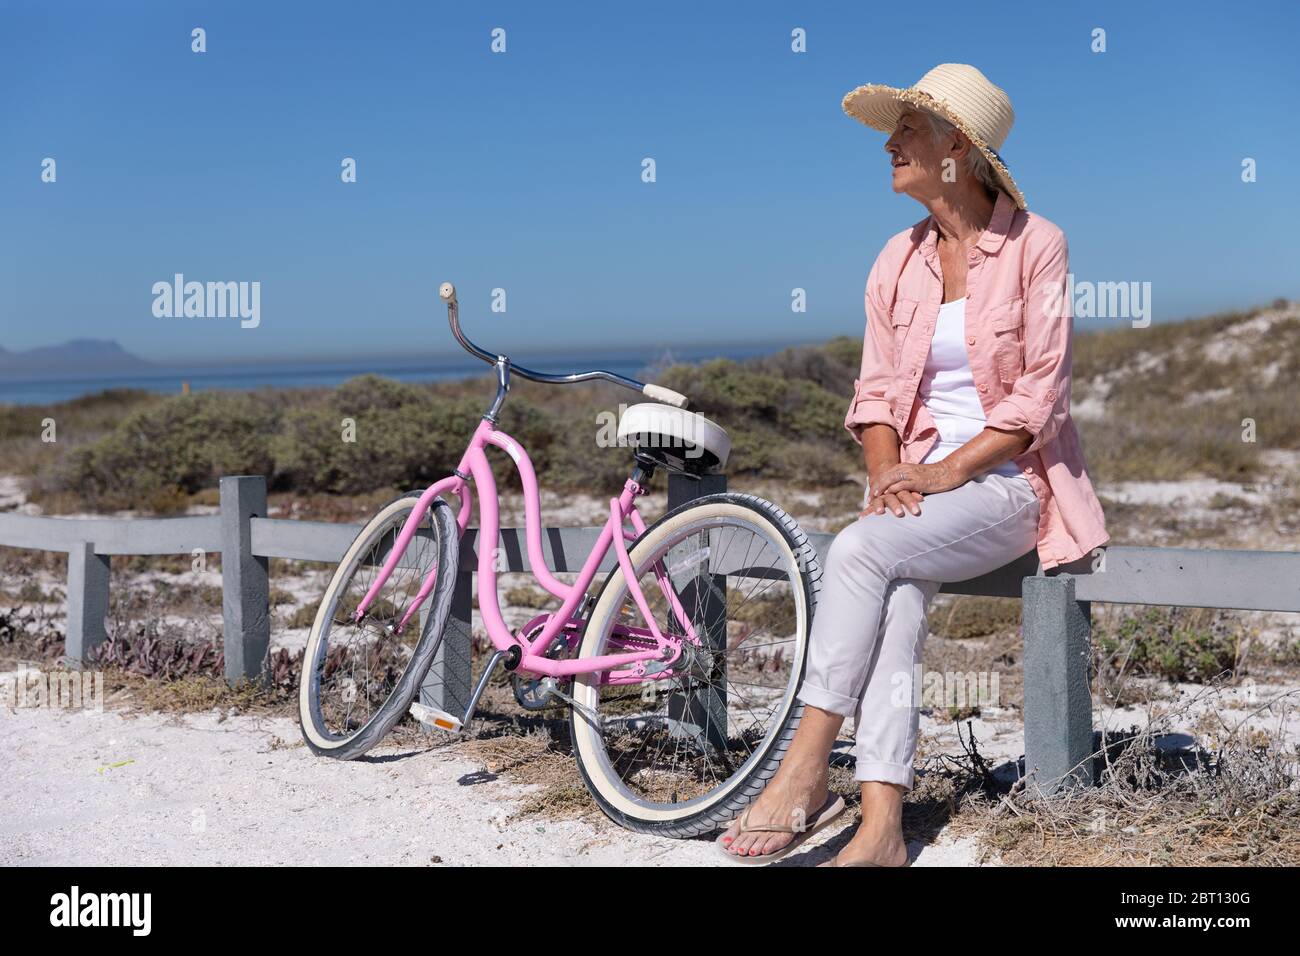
point(354, 671)
point(666, 750)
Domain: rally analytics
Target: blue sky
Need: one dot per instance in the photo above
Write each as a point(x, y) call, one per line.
point(522, 170)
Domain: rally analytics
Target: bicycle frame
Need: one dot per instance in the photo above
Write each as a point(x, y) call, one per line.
point(533, 660)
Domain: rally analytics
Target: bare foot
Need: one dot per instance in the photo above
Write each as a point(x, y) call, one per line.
point(878, 846)
point(795, 793)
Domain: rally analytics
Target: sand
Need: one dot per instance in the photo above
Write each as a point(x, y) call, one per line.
point(87, 788)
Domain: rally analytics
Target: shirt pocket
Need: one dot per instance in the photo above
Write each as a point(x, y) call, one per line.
point(901, 319)
point(1007, 320)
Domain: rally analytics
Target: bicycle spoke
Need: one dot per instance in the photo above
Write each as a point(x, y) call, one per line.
point(362, 661)
point(693, 733)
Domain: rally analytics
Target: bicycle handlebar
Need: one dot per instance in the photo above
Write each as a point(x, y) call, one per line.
point(447, 292)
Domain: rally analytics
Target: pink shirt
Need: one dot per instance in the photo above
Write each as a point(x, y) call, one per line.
point(1018, 337)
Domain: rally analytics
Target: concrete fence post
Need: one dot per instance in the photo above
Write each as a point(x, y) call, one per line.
point(447, 684)
point(702, 715)
point(245, 579)
point(88, 577)
point(1058, 697)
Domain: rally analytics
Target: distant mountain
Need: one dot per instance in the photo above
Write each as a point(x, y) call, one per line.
point(77, 355)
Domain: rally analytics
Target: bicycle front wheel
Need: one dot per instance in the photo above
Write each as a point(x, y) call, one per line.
point(359, 677)
point(681, 749)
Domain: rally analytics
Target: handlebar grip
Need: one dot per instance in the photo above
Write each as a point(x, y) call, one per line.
point(665, 395)
point(447, 292)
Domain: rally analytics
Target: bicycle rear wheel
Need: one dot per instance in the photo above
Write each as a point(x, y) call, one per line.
point(359, 678)
point(684, 753)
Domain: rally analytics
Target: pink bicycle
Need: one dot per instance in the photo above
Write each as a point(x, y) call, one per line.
point(679, 670)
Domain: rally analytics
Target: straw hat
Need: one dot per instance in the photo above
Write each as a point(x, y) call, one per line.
point(960, 94)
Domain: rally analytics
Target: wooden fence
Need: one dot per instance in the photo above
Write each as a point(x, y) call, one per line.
point(1056, 615)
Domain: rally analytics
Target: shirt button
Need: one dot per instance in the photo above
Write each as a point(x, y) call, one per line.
point(970, 340)
point(984, 388)
point(1029, 469)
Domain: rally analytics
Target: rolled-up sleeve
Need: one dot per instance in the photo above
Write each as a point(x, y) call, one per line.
point(869, 405)
point(1039, 401)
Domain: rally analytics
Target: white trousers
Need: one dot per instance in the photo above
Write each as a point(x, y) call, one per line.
point(864, 651)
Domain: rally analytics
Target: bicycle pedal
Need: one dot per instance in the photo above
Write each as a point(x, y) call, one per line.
point(435, 717)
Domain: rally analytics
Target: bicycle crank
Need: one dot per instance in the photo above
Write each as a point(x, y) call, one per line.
point(533, 693)
point(592, 717)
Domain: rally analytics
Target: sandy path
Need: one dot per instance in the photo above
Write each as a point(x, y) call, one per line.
point(202, 792)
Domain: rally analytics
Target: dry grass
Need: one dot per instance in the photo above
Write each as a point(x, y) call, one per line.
point(963, 616)
point(1231, 801)
point(1179, 392)
point(539, 759)
point(29, 633)
point(135, 694)
point(526, 595)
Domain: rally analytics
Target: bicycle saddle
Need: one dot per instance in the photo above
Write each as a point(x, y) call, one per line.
point(675, 439)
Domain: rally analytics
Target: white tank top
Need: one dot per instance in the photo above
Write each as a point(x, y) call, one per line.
point(948, 389)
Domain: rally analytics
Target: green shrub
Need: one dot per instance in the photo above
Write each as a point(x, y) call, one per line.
point(178, 445)
point(784, 413)
point(781, 427)
point(400, 435)
point(89, 413)
point(1177, 644)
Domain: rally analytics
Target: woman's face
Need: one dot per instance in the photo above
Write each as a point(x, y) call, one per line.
point(915, 156)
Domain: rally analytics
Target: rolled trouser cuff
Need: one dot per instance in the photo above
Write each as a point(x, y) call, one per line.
point(877, 771)
point(825, 699)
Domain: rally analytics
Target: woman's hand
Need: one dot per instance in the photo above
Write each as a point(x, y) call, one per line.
point(899, 504)
point(943, 475)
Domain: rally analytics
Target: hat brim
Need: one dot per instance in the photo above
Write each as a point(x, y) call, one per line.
point(880, 106)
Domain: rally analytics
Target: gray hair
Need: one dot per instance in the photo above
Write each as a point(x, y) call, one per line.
point(977, 164)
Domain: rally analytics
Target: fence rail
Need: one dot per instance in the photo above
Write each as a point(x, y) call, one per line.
point(1056, 616)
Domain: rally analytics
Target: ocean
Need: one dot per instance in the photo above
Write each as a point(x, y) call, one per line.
point(36, 390)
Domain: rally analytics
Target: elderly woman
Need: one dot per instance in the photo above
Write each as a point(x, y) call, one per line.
point(962, 411)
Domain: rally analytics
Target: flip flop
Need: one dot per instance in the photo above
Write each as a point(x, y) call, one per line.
point(831, 809)
point(831, 862)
